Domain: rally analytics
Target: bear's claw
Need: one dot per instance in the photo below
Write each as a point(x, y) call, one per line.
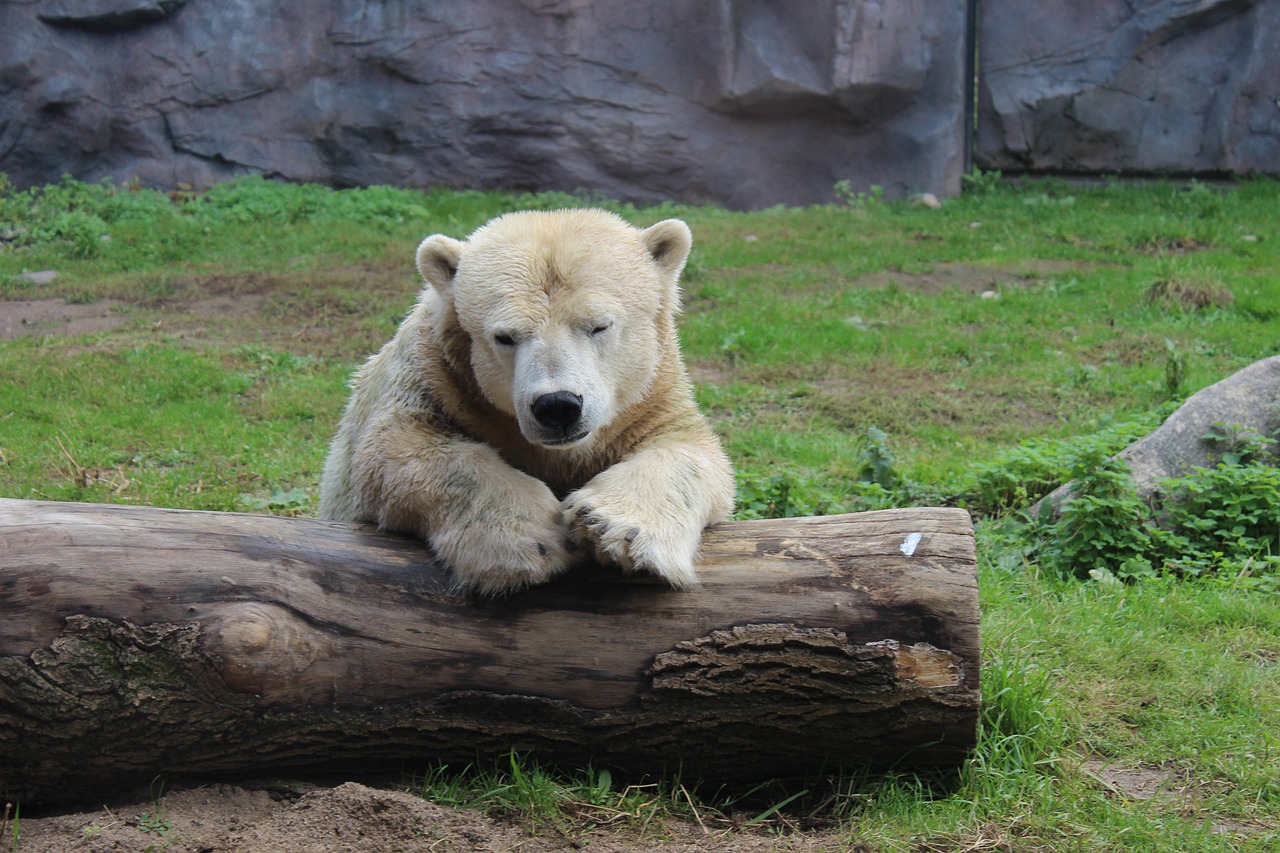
point(632, 546)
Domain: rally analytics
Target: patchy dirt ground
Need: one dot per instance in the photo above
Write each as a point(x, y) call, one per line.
point(37, 317)
point(355, 818)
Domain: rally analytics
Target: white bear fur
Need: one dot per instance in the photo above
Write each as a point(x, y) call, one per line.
point(440, 440)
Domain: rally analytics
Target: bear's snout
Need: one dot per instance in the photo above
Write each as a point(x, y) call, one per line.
point(559, 410)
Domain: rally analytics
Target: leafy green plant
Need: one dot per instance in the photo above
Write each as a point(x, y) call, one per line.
point(1222, 521)
point(1104, 526)
point(1234, 444)
point(873, 198)
point(980, 182)
point(1223, 515)
point(155, 823)
point(1175, 368)
point(875, 462)
point(734, 345)
point(783, 496)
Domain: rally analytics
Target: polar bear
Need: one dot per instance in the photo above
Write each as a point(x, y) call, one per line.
point(534, 406)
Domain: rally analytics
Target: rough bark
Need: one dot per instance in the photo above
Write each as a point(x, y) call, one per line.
point(142, 641)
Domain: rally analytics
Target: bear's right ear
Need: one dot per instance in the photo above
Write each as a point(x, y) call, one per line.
point(438, 258)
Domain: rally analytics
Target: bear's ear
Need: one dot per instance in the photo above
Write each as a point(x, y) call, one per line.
point(668, 243)
point(438, 258)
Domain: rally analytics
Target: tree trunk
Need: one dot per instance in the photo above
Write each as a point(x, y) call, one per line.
point(137, 641)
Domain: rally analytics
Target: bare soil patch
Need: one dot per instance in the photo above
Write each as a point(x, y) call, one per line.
point(1140, 783)
point(355, 818)
point(38, 317)
point(347, 312)
point(969, 278)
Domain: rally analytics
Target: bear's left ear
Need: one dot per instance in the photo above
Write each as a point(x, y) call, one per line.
point(668, 243)
point(438, 258)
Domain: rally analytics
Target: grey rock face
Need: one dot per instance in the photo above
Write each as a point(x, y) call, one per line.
point(746, 103)
point(1161, 86)
point(105, 15)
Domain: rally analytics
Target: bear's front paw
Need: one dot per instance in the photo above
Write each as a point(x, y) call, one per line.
point(615, 533)
point(503, 554)
point(508, 557)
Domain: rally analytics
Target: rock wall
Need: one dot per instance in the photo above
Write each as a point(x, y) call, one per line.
point(746, 103)
point(1157, 86)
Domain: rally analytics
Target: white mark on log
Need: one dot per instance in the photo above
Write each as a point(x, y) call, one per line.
point(909, 544)
point(228, 580)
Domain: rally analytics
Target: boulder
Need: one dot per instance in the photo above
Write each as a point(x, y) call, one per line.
point(1110, 86)
point(745, 103)
point(1248, 399)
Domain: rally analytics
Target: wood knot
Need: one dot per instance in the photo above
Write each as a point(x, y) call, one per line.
point(262, 646)
point(246, 634)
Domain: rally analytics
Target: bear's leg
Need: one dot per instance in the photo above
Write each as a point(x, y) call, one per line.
point(498, 528)
point(648, 512)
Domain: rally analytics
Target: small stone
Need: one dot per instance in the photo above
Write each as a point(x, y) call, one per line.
point(990, 294)
point(39, 277)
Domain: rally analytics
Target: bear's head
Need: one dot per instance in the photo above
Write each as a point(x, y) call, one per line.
point(568, 314)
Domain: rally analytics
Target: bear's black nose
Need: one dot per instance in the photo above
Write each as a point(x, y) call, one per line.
point(559, 409)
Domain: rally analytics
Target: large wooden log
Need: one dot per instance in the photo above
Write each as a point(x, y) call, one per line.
point(141, 641)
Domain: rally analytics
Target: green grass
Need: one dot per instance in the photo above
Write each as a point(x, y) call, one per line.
point(848, 358)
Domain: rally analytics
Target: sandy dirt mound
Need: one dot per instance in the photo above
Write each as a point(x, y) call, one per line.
point(355, 818)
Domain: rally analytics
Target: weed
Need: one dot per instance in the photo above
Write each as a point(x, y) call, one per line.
point(11, 824)
point(1018, 477)
point(734, 347)
point(154, 823)
point(981, 182)
point(847, 195)
point(1233, 444)
point(1189, 288)
point(875, 462)
point(1222, 521)
point(1175, 369)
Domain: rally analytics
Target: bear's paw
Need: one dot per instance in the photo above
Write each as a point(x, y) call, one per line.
point(492, 554)
point(633, 539)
